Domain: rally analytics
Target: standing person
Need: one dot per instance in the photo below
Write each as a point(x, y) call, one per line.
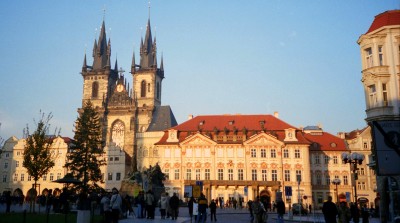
point(309, 208)
point(140, 204)
point(365, 214)
point(273, 206)
point(355, 213)
point(344, 213)
point(150, 204)
point(329, 210)
point(190, 206)
point(163, 205)
point(203, 205)
point(234, 203)
point(105, 205)
point(280, 208)
point(249, 205)
point(116, 205)
point(174, 204)
point(258, 210)
point(8, 201)
point(168, 207)
point(220, 202)
point(213, 210)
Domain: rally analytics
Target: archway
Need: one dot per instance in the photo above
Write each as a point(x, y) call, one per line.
point(265, 198)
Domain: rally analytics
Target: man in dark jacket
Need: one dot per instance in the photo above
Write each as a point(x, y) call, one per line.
point(213, 210)
point(174, 205)
point(329, 210)
point(203, 205)
point(280, 208)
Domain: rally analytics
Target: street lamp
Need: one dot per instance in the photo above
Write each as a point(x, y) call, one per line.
point(353, 159)
point(336, 182)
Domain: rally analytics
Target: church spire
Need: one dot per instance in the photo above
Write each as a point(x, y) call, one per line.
point(84, 66)
point(162, 63)
point(147, 52)
point(101, 50)
point(133, 66)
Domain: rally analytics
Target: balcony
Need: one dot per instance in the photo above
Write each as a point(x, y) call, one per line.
point(379, 113)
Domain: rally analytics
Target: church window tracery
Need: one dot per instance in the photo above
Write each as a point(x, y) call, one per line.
point(143, 89)
point(118, 133)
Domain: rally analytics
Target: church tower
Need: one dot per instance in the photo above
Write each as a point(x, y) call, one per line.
point(147, 80)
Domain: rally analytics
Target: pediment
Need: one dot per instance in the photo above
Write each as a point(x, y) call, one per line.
point(263, 139)
point(198, 139)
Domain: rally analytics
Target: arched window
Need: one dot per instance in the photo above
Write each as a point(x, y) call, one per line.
point(158, 90)
point(148, 87)
point(95, 89)
point(143, 89)
point(118, 133)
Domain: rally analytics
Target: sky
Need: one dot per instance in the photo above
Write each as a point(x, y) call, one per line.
point(298, 58)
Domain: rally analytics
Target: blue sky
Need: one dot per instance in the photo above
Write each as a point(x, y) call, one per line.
point(299, 58)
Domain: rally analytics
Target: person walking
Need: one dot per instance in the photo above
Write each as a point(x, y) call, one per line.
point(174, 205)
point(190, 206)
point(163, 205)
point(329, 210)
point(105, 204)
point(280, 207)
point(365, 214)
point(116, 205)
point(213, 210)
point(344, 213)
point(249, 205)
point(258, 210)
point(149, 200)
point(202, 207)
point(355, 213)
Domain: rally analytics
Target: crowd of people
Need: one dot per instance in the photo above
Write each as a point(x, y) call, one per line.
point(344, 213)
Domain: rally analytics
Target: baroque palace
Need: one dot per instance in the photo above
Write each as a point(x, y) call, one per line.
point(234, 156)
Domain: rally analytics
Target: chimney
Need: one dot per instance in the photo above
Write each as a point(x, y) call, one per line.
point(276, 114)
point(190, 117)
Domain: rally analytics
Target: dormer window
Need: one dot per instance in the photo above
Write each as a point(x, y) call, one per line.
point(231, 122)
point(290, 135)
point(172, 135)
point(202, 122)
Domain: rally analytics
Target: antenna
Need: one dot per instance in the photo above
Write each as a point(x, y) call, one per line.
point(104, 12)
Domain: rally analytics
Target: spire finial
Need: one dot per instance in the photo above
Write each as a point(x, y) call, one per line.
point(149, 9)
point(104, 12)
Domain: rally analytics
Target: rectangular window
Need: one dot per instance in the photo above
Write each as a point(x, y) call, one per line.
point(102, 177)
point(111, 158)
point(316, 159)
point(380, 51)
point(5, 165)
point(22, 177)
point(253, 153)
point(166, 172)
point(4, 178)
point(298, 175)
point(372, 95)
point(29, 178)
point(15, 176)
point(345, 180)
point(17, 163)
point(263, 153)
point(318, 179)
point(230, 174)
point(197, 152)
point(385, 95)
point(285, 153)
point(118, 177)
point(207, 174)
point(264, 175)
point(58, 176)
point(240, 174)
point(335, 159)
point(44, 177)
point(287, 175)
point(220, 174)
point(273, 153)
point(116, 158)
point(176, 175)
point(109, 176)
point(274, 175)
point(326, 159)
point(327, 179)
point(188, 174)
point(365, 145)
point(362, 171)
point(51, 176)
point(198, 173)
point(7, 155)
point(254, 175)
point(297, 153)
point(368, 57)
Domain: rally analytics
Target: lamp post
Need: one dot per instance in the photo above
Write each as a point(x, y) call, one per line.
point(336, 182)
point(353, 159)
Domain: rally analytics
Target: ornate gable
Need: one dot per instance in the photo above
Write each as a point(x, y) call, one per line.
point(198, 139)
point(264, 140)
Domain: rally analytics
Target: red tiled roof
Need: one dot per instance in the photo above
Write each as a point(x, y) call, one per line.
point(387, 18)
point(353, 134)
point(250, 122)
point(206, 125)
point(326, 142)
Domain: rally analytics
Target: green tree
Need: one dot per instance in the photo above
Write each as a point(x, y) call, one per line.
point(155, 176)
point(85, 158)
point(38, 159)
